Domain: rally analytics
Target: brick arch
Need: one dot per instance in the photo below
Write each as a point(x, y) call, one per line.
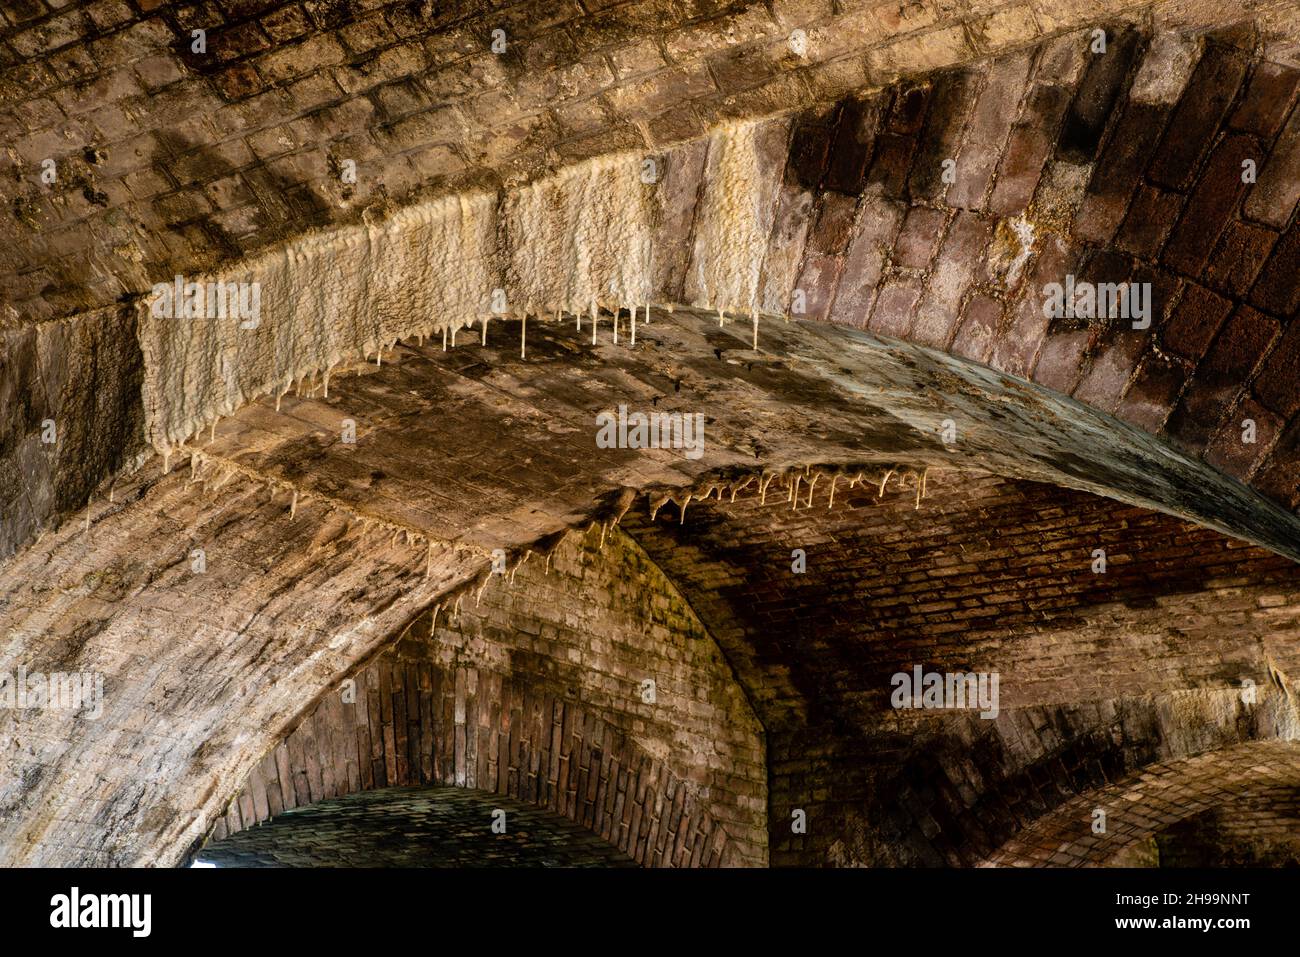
point(845, 182)
point(1100, 674)
point(196, 668)
point(849, 207)
point(1256, 780)
point(413, 724)
point(1256, 829)
point(536, 692)
point(418, 99)
point(1117, 167)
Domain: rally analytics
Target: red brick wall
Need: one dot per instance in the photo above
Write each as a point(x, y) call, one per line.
point(1099, 674)
point(536, 694)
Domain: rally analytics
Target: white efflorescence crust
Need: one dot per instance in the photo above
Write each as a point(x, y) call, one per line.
point(581, 238)
point(732, 225)
point(574, 241)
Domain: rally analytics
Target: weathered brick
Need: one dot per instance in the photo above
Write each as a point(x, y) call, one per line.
point(1209, 207)
point(157, 71)
point(995, 110)
point(1228, 451)
point(286, 62)
point(1199, 113)
point(395, 99)
point(236, 42)
point(1153, 393)
point(920, 236)
point(1118, 171)
point(1269, 97)
point(928, 51)
point(854, 135)
point(1005, 27)
point(51, 34)
point(1221, 377)
point(908, 107)
point(673, 126)
point(1115, 356)
point(1277, 291)
point(285, 23)
point(636, 59)
point(706, 36)
point(1094, 101)
point(890, 165)
point(875, 231)
point(1165, 69)
point(1273, 198)
point(827, 243)
point(1278, 384)
point(1014, 352)
point(960, 255)
point(1165, 290)
point(653, 95)
point(1242, 251)
point(1194, 321)
point(1060, 361)
point(1149, 221)
point(1028, 148)
point(423, 129)
point(892, 313)
point(940, 138)
point(978, 328)
point(809, 153)
point(740, 68)
point(1276, 475)
point(98, 92)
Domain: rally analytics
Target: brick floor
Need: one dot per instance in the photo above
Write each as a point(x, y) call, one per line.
point(414, 827)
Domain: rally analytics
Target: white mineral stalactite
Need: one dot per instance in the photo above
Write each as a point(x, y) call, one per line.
point(325, 299)
point(732, 224)
point(576, 241)
point(580, 240)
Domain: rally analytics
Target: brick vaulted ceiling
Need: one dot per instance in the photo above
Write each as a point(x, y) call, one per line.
point(899, 180)
point(171, 160)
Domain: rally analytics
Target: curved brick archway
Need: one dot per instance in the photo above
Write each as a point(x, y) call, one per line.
point(1257, 780)
point(539, 694)
point(170, 161)
point(284, 495)
point(853, 212)
point(1117, 167)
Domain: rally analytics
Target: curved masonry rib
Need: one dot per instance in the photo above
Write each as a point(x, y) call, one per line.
point(579, 240)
